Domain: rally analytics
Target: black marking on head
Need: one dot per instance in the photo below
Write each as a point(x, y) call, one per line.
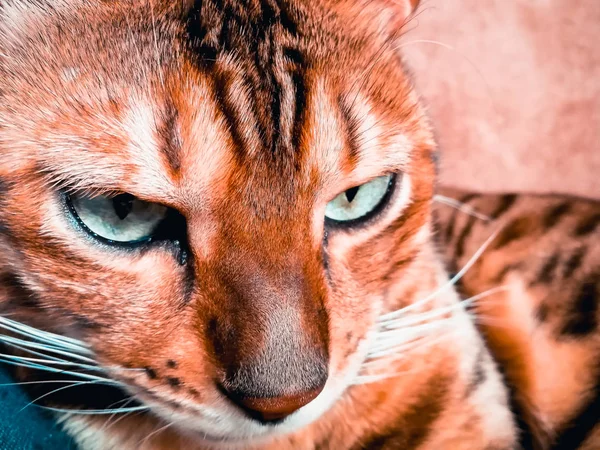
point(553, 216)
point(505, 203)
point(169, 138)
point(174, 382)
point(577, 432)
point(582, 318)
point(546, 273)
point(171, 364)
point(150, 372)
point(587, 225)
point(351, 125)
point(257, 37)
point(222, 86)
point(300, 92)
point(574, 262)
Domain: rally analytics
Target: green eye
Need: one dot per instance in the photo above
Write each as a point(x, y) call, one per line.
point(360, 202)
point(122, 218)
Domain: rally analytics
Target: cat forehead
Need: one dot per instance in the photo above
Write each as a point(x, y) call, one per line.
point(265, 69)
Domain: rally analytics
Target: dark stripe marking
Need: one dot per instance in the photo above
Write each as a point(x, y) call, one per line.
point(505, 203)
point(351, 128)
point(170, 140)
point(574, 262)
point(582, 319)
point(221, 85)
point(580, 428)
point(417, 423)
point(462, 238)
point(546, 273)
point(553, 216)
point(515, 230)
point(587, 225)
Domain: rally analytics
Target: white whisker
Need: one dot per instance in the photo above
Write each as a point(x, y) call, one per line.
point(461, 207)
point(95, 412)
point(44, 336)
point(55, 370)
point(413, 306)
point(154, 433)
point(70, 385)
point(27, 344)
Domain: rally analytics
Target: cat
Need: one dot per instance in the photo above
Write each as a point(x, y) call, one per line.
point(216, 222)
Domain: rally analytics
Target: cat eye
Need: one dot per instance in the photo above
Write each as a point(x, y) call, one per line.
point(121, 218)
point(360, 203)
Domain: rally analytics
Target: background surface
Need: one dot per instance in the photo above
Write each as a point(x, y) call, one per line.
point(516, 103)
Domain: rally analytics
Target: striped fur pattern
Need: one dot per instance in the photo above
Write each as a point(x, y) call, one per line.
point(542, 319)
point(244, 118)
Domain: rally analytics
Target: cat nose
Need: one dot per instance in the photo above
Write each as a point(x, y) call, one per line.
point(273, 409)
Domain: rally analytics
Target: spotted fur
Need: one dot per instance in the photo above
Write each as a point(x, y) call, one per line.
point(542, 325)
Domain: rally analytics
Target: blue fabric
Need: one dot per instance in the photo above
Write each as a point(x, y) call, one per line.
point(29, 429)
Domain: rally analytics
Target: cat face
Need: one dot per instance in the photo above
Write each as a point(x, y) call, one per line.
point(224, 196)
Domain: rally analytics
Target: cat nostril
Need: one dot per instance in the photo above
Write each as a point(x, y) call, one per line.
point(273, 409)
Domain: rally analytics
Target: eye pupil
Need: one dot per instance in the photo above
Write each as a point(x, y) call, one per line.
point(351, 193)
point(123, 204)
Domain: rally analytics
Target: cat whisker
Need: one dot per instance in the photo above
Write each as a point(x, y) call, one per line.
point(462, 207)
point(400, 336)
point(117, 417)
point(399, 343)
point(44, 336)
point(154, 433)
point(96, 412)
point(421, 317)
point(444, 287)
point(25, 345)
point(62, 388)
point(493, 322)
point(418, 345)
point(30, 365)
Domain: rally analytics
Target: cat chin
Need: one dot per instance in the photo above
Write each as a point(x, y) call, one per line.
point(233, 429)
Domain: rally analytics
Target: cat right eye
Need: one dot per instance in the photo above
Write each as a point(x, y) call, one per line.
point(122, 218)
point(360, 203)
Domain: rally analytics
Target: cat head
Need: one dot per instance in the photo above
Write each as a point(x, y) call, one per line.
point(222, 194)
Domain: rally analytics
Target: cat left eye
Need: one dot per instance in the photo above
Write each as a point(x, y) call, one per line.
point(360, 202)
point(121, 218)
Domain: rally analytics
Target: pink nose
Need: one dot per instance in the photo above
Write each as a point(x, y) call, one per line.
point(276, 408)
